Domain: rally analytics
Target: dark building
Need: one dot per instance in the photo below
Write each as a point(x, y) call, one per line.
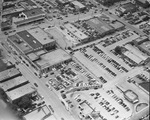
point(143, 3)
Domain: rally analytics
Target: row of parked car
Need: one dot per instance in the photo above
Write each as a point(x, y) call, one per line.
point(119, 100)
point(116, 38)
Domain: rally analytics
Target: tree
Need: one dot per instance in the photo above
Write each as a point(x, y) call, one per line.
point(118, 50)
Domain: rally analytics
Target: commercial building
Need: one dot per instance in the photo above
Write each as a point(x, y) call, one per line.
point(15, 94)
point(136, 52)
point(6, 23)
point(3, 66)
point(13, 83)
point(30, 16)
point(44, 38)
point(100, 26)
point(78, 5)
point(76, 32)
point(143, 44)
point(24, 42)
point(131, 96)
point(133, 57)
point(145, 86)
point(37, 114)
point(27, 4)
point(49, 60)
point(63, 2)
point(9, 74)
point(126, 8)
point(117, 25)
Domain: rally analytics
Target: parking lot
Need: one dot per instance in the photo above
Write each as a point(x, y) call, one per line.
point(68, 75)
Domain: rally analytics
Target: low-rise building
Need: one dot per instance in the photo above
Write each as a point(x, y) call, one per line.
point(100, 26)
point(80, 35)
point(133, 57)
point(24, 42)
point(27, 4)
point(143, 3)
point(9, 74)
point(44, 38)
point(37, 114)
point(15, 94)
point(49, 60)
point(30, 16)
point(126, 8)
point(79, 6)
point(13, 83)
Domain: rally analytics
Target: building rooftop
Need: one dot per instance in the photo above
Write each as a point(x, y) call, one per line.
point(29, 20)
point(33, 12)
point(145, 46)
point(52, 58)
point(145, 86)
point(13, 83)
point(117, 25)
point(3, 66)
point(127, 7)
point(8, 74)
point(32, 56)
point(20, 91)
point(21, 45)
point(99, 25)
point(41, 35)
point(38, 114)
point(75, 31)
point(80, 5)
point(29, 39)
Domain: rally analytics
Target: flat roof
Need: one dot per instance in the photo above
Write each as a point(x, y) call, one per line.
point(28, 38)
point(28, 2)
point(146, 46)
point(146, 86)
point(13, 82)
point(41, 35)
point(99, 25)
point(29, 20)
point(52, 58)
point(33, 12)
point(20, 91)
point(75, 31)
point(117, 25)
point(8, 73)
point(3, 66)
point(133, 57)
point(38, 114)
point(33, 56)
point(21, 45)
point(77, 3)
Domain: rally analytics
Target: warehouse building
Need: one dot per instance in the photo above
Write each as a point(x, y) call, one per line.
point(49, 60)
point(100, 26)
